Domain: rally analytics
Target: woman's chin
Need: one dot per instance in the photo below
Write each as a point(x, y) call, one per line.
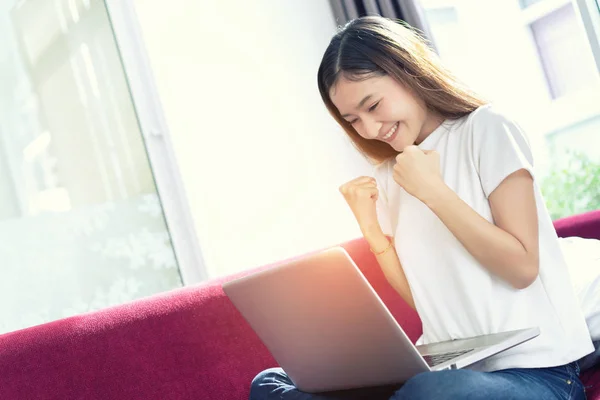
point(399, 147)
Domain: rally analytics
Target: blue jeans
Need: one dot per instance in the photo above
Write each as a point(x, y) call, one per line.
point(557, 383)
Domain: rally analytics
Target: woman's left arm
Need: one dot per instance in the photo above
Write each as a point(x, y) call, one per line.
point(509, 248)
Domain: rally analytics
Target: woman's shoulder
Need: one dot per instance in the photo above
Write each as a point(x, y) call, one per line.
point(491, 129)
point(488, 114)
point(490, 123)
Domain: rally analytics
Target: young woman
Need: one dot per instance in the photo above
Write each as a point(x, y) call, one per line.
point(454, 217)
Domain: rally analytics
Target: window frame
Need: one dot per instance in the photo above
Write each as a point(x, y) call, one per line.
point(589, 11)
point(564, 115)
point(155, 132)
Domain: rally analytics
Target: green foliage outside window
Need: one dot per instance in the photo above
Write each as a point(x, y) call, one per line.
point(574, 187)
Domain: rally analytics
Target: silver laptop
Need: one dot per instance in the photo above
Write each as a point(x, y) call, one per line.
point(328, 329)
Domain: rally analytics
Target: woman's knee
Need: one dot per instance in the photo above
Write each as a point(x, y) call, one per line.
point(265, 381)
point(437, 385)
point(416, 388)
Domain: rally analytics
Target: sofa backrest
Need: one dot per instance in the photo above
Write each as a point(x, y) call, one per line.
point(188, 343)
point(365, 260)
point(586, 225)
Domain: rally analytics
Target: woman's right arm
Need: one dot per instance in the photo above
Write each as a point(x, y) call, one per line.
point(361, 194)
point(390, 264)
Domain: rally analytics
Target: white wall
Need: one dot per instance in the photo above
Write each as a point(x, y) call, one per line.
point(260, 157)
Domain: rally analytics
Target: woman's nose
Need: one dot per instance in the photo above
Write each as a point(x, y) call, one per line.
point(372, 129)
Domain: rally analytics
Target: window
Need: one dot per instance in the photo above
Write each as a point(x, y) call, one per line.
point(564, 55)
point(81, 220)
point(533, 59)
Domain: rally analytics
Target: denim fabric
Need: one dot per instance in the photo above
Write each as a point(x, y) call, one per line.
point(557, 383)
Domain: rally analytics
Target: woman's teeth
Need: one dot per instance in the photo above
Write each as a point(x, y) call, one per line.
point(391, 132)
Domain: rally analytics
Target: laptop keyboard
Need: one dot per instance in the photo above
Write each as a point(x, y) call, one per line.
point(436, 359)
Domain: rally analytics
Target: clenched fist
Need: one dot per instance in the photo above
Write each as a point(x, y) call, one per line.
point(418, 172)
point(361, 194)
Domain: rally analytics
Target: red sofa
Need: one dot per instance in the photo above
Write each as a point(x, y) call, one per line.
point(189, 343)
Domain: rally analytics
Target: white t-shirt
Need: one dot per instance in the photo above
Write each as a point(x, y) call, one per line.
point(455, 296)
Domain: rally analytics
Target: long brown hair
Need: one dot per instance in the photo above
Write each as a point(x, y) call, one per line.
point(375, 46)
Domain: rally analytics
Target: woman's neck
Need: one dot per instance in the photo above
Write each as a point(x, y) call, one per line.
point(432, 122)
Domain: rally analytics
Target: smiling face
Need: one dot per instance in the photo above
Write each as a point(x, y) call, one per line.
point(380, 108)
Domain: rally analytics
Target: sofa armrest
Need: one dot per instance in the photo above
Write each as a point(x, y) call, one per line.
point(586, 225)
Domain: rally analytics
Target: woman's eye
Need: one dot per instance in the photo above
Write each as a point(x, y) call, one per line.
point(353, 122)
point(373, 107)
